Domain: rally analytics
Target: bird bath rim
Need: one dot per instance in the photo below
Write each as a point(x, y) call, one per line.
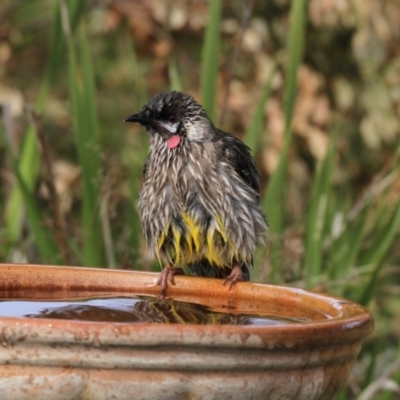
point(333, 320)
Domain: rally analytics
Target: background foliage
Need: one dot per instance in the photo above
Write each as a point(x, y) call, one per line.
point(313, 87)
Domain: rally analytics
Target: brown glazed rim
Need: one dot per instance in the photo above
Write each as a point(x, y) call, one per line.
point(332, 321)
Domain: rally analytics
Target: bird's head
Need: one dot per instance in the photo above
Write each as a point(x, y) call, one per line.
point(175, 117)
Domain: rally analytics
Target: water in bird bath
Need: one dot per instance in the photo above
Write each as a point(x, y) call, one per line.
point(137, 309)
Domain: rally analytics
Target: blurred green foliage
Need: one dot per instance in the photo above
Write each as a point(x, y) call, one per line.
point(314, 93)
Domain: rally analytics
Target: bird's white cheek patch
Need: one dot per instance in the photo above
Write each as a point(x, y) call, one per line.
point(173, 141)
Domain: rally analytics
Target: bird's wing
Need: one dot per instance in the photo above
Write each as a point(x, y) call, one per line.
point(239, 156)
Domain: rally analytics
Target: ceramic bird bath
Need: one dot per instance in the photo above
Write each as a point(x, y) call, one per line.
point(255, 341)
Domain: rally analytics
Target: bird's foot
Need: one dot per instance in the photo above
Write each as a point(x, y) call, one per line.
point(167, 275)
point(235, 276)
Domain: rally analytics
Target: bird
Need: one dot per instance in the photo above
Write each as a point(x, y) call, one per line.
point(199, 204)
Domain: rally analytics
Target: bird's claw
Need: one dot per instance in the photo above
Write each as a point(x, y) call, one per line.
point(167, 275)
point(235, 276)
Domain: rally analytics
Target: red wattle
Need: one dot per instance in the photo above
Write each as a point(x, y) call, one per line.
point(173, 141)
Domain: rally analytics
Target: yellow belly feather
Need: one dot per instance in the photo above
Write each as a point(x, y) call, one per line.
point(197, 244)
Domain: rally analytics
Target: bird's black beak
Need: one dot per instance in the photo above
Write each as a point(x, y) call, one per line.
point(140, 118)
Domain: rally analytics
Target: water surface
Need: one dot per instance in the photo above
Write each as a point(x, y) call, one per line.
point(139, 309)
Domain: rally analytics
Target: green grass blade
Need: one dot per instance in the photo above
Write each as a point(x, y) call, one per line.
point(344, 252)
point(341, 396)
point(29, 156)
point(274, 195)
point(342, 256)
point(252, 138)
point(89, 99)
point(370, 370)
point(210, 58)
point(273, 207)
point(273, 200)
point(28, 167)
point(254, 129)
point(135, 159)
point(41, 234)
point(86, 133)
point(316, 219)
point(376, 254)
point(90, 145)
point(295, 53)
point(58, 45)
point(174, 78)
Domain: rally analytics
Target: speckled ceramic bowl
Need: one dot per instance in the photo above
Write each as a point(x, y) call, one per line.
point(43, 358)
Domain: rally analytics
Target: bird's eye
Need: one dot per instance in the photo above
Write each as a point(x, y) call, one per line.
point(172, 120)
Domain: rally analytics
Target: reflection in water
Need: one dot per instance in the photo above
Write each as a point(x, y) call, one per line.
point(140, 309)
point(145, 309)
